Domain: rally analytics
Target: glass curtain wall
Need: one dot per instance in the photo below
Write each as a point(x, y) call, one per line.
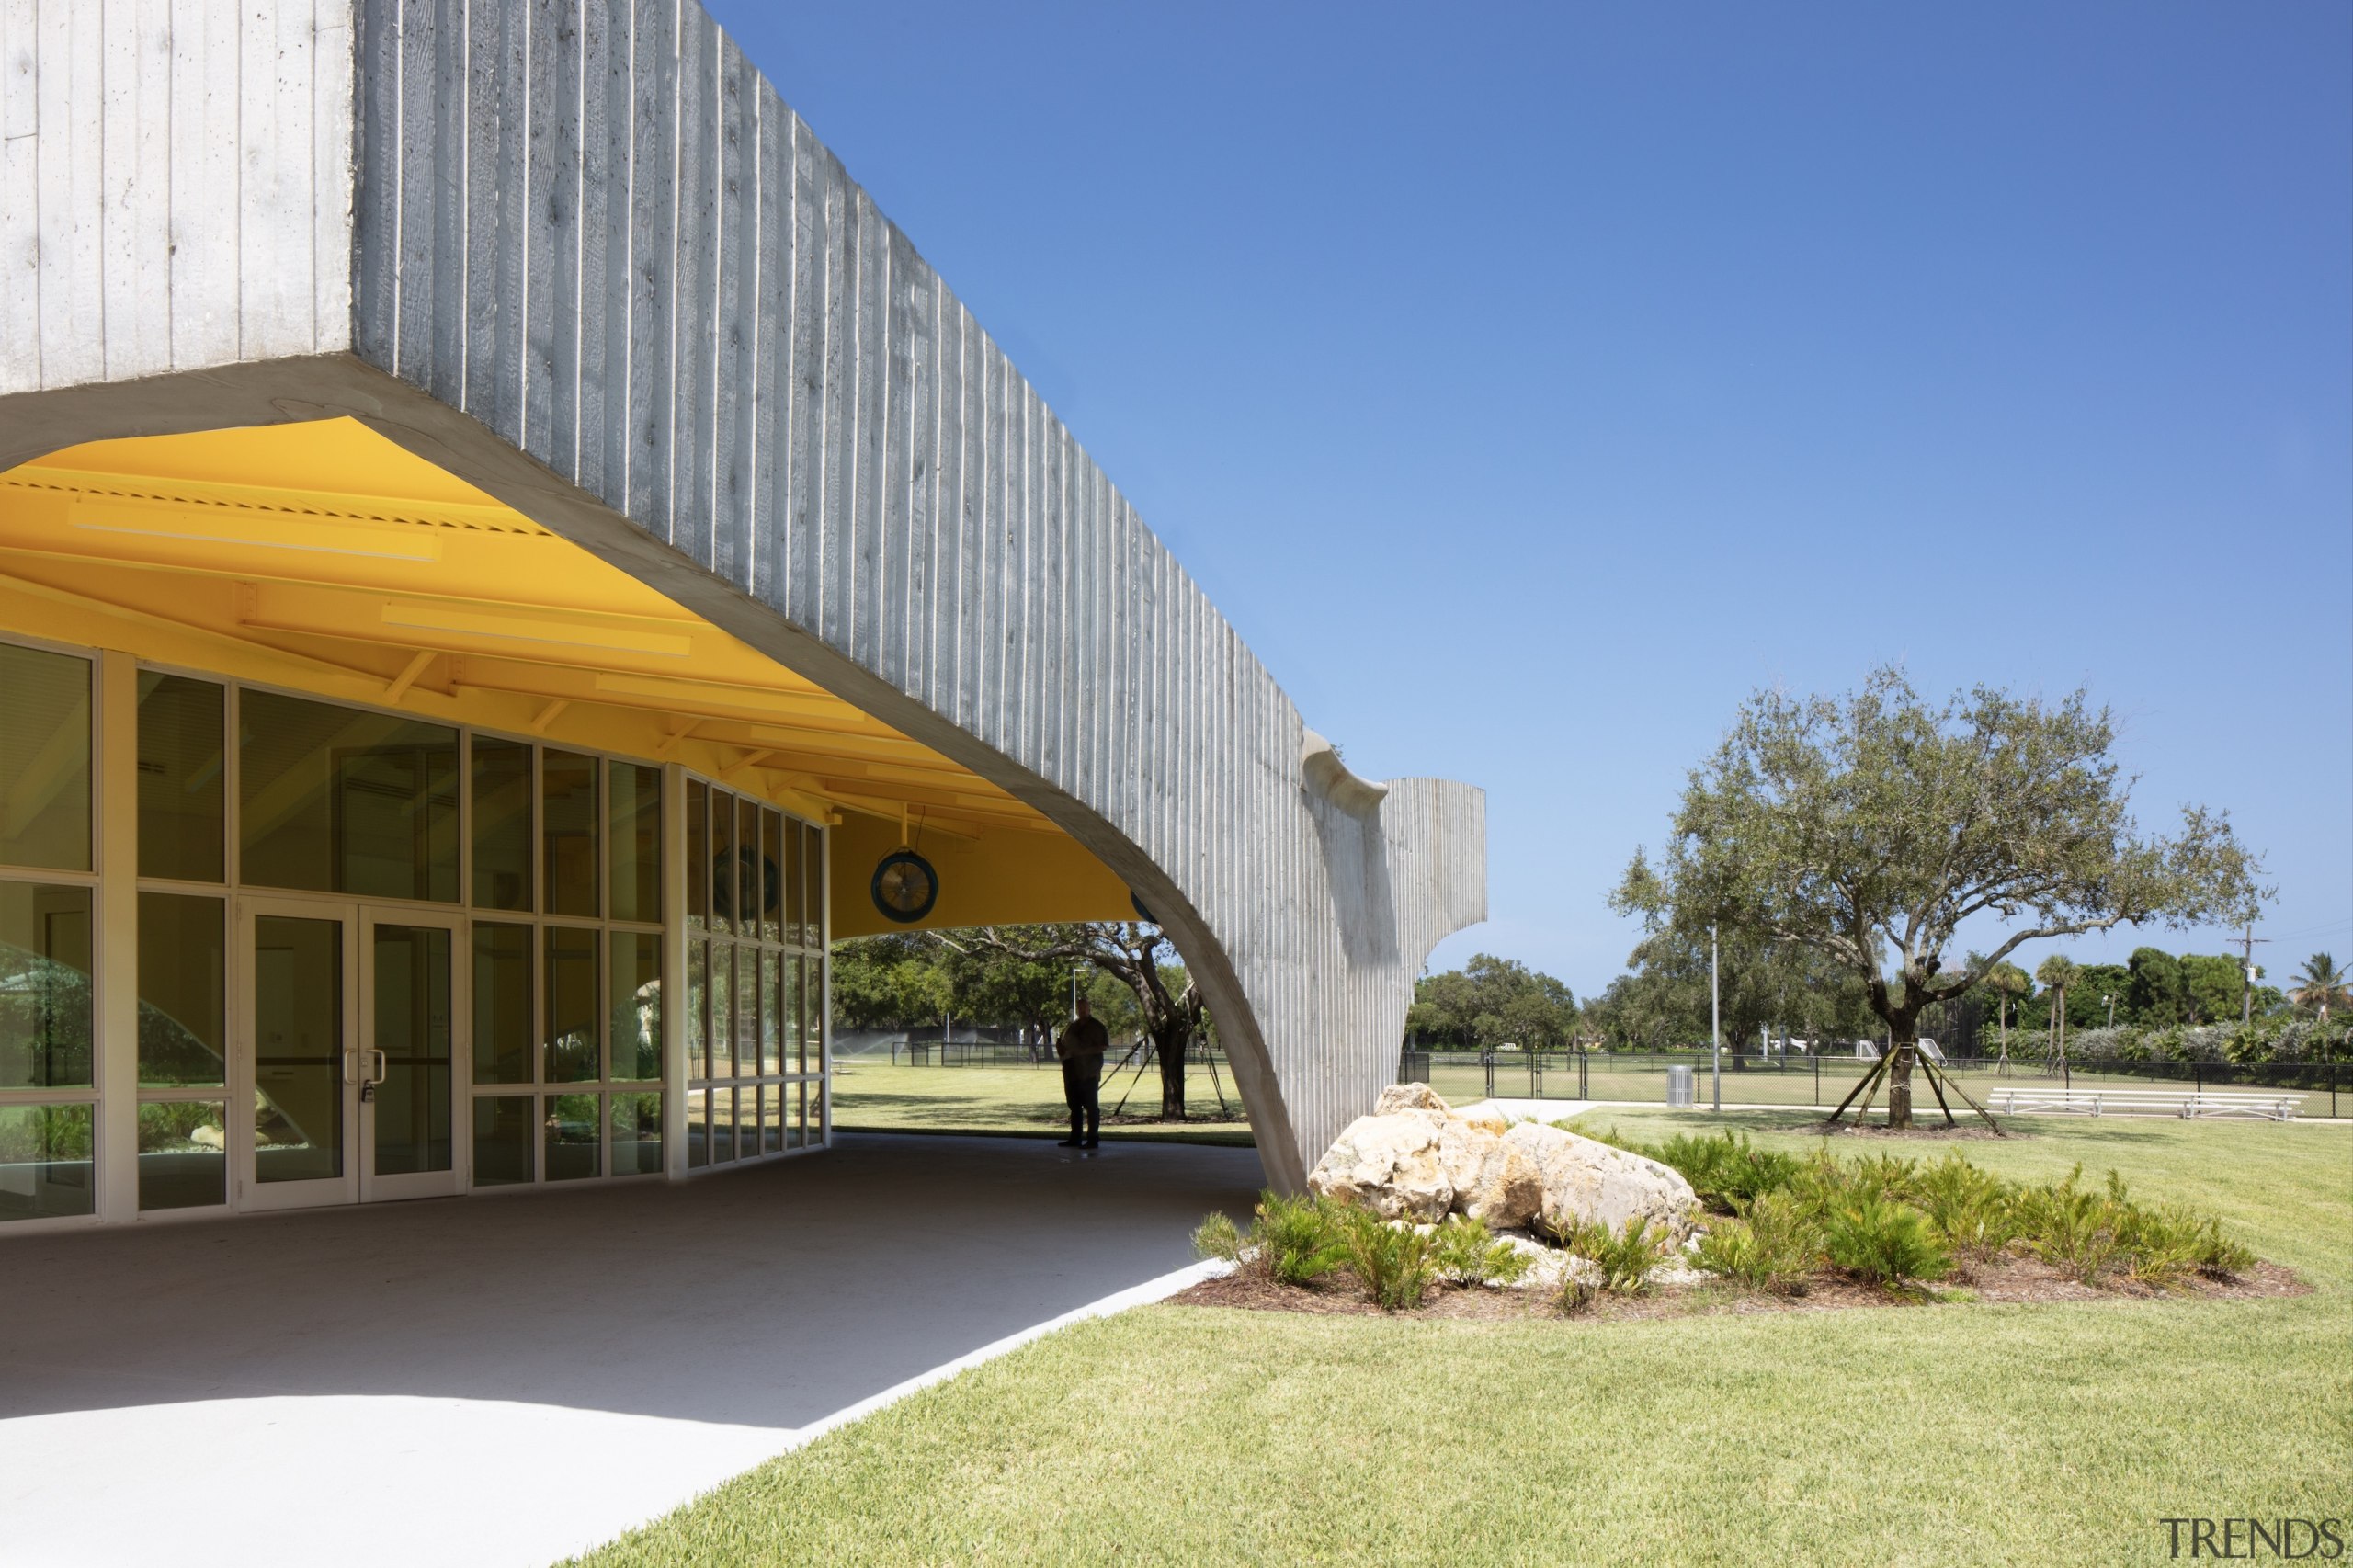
point(567, 964)
point(555, 853)
point(48, 904)
point(755, 979)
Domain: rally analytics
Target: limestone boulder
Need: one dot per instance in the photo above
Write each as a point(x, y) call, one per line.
point(1394, 1165)
point(1492, 1180)
point(1585, 1181)
point(1410, 1097)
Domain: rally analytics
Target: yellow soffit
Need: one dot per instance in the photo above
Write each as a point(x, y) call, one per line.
point(366, 564)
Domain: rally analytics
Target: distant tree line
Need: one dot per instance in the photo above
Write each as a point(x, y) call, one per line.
point(1662, 1002)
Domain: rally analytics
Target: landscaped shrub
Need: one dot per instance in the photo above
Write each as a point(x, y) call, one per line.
point(2070, 1228)
point(1623, 1256)
point(1465, 1253)
point(1972, 1210)
point(1883, 1242)
point(1390, 1261)
point(1297, 1238)
point(1773, 1246)
point(1725, 1169)
point(1217, 1236)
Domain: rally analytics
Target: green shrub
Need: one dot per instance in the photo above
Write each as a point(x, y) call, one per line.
point(2071, 1228)
point(1624, 1257)
point(2223, 1255)
point(2160, 1246)
point(1390, 1261)
point(1465, 1253)
point(1974, 1211)
point(1725, 1169)
point(1298, 1238)
point(1883, 1242)
point(1773, 1247)
point(1217, 1236)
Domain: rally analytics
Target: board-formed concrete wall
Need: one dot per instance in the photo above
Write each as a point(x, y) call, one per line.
point(582, 254)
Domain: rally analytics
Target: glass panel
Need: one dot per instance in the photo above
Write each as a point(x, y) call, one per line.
point(697, 1009)
point(723, 862)
point(813, 923)
point(574, 1139)
point(504, 1031)
point(795, 906)
point(636, 841)
point(568, 799)
point(183, 726)
point(776, 1101)
point(45, 1161)
point(772, 876)
point(747, 1122)
point(790, 1009)
point(637, 1134)
point(298, 1049)
point(812, 1009)
point(503, 1137)
point(635, 1010)
point(572, 1005)
point(183, 959)
point(501, 786)
point(747, 868)
point(771, 1021)
point(795, 1098)
point(412, 1016)
point(723, 1009)
point(723, 1126)
point(44, 760)
point(44, 986)
point(698, 855)
point(183, 1155)
point(747, 1012)
point(337, 801)
point(698, 1129)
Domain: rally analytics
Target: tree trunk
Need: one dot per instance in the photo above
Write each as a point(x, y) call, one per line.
point(1903, 1052)
point(1169, 1043)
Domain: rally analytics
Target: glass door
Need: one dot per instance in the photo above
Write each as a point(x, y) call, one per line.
point(409, 1055)
point(295, 1065)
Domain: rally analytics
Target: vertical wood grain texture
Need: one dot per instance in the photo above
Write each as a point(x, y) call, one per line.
point(591, 225)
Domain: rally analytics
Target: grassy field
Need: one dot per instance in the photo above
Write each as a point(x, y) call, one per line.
point(879, 1097)
point(1954, 1434)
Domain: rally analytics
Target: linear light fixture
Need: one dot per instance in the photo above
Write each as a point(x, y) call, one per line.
point(257, 530)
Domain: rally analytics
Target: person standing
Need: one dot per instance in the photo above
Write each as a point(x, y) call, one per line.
point(1081, 1048)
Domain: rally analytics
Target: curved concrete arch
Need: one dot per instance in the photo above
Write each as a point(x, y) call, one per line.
point(583, 256)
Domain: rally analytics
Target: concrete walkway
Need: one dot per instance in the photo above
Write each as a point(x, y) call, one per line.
point(512, 1378)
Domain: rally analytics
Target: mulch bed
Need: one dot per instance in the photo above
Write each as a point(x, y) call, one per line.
point(2005, 1280)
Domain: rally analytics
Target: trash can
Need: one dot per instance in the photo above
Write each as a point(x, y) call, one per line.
point(1678, 1088)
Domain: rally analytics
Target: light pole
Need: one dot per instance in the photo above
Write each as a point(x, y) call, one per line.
point(2111, 1010)
point(1076, 970)
point(1715, 1027)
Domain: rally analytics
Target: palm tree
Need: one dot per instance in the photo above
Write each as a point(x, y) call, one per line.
point(2007, 981)
point(2057, 973)
point(2322, 985)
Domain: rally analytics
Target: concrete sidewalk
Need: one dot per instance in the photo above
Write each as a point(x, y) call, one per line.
point(507, 1378)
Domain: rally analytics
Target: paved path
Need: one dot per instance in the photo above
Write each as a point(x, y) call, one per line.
point(510, 1377)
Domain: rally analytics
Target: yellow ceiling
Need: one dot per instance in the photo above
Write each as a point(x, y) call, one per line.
point(322, 557)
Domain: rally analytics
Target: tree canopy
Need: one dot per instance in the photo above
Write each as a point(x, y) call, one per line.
point(1866, 828)
point(1490, 1002)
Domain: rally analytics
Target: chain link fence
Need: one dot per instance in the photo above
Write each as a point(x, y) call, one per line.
point(1797, 1079)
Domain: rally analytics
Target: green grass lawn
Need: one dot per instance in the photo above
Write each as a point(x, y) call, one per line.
point(1898, 1434)
point(879, 1097)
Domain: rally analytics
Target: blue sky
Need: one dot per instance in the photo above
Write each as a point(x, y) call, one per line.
point(1530, 384)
